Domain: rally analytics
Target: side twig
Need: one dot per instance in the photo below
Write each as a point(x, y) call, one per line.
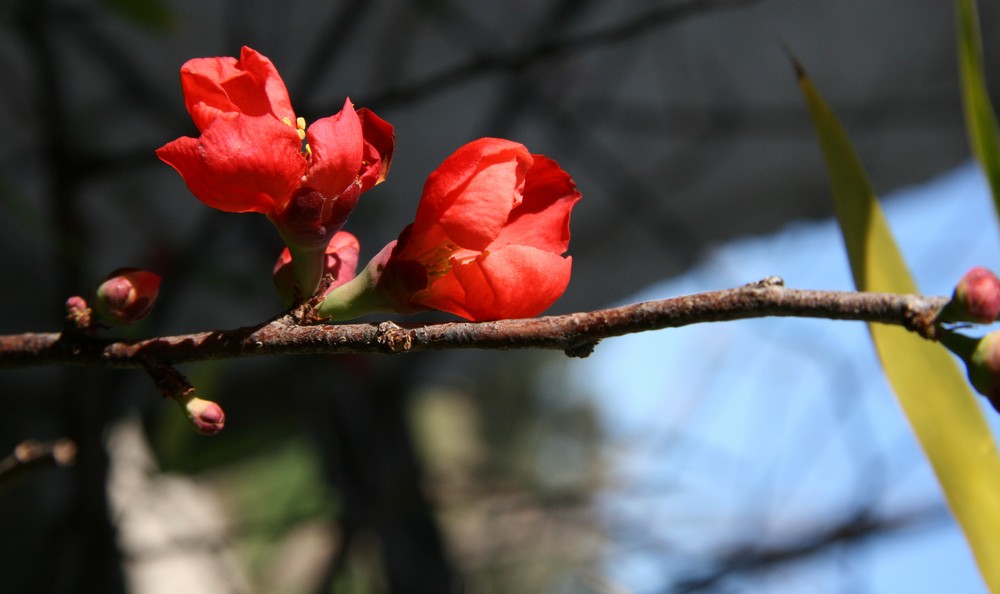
point(33, 455)
point(576, 334)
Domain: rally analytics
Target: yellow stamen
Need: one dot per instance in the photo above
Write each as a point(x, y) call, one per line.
point(300, 128)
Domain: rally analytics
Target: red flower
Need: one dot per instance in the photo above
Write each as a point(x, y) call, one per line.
point(254, 155)
point(486, 244)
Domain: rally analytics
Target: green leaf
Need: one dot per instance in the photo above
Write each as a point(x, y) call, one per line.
point(979, 117)
point(932, 390)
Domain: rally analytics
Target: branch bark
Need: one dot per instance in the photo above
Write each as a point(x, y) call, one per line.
point(577, 334)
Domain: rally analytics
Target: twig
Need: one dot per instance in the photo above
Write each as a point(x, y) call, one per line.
point(861, 528)
point(576, 334)
point(522, 58)
point(32, 455)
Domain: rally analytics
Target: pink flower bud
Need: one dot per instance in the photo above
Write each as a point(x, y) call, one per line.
point(126, 295)
point(206, 415)
point(78, 312)
point(976, 298)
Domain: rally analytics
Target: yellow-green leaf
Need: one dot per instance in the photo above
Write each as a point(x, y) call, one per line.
point(932, 390)
point(979, 117)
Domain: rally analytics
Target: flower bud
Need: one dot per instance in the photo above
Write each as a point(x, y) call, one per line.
point(976, 298)
point(984, 368)
point(126, 295)
point(207, 416)
point(982, 362)
point(78, 313)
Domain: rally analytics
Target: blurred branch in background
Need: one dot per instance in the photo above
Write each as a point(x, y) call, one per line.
point(753, 557)
point(30, 456)
point(549, 48)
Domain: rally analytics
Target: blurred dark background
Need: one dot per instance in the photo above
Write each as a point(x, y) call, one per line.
point(680, 121)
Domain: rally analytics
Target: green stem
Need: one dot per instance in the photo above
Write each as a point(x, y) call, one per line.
point(353, 299)
point(307, 268)
point(960, 344)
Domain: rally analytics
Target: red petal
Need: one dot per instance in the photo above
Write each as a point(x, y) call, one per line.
point(342, 258)
point(380, 142)
point(471, 194)
point(240, 164)
point(250, 85)
point(338, 149)
point(542, 218)
point(513, 282)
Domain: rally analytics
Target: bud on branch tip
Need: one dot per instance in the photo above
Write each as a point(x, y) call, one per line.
point(207, 417)
point(976, 298)
point(78, 314)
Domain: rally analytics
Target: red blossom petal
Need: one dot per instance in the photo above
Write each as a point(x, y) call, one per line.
point(240, 163)
point(250, 85)
point(471, 194)
point(542, 218)
point(380, 143)
point(342, 257)
point(338, 149)
point(513, 282)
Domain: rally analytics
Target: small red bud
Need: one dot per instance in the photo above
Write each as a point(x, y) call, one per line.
point(976, 298)
point(126, 295)
point(78, 312)
point(207, 416)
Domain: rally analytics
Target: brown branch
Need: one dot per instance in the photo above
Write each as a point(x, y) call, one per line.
point(576, 333)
